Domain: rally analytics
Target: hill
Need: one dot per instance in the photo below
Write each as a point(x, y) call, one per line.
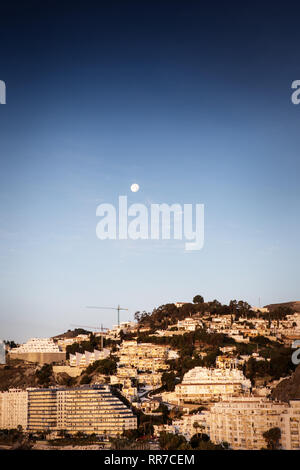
point(288, 389)
point(19, 375)
point(294, 305)
point(72, 333)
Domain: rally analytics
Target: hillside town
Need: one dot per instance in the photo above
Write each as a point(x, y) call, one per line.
point(198, 375)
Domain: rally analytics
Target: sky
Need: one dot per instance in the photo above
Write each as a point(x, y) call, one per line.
point(191, 102)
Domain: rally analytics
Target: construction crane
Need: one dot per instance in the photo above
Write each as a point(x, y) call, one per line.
point(102, 328)
point(118, 308)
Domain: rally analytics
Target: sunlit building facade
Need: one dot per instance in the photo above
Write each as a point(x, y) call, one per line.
point(13, 409)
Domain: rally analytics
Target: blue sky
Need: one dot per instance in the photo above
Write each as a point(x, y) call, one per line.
point(191, 103)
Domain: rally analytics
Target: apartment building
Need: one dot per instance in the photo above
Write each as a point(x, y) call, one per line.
point(83, 409)
point(189, 324)
point(13, 409)
point(152, 379)
point(143, 361)
point(42, 409)
point(93, 410)
point(87, 358)
point(143, 356)
point(64, 342)
point(242, 421)
point(125, 327)
point(227, 362)
point(202, 383)
point(291, 426)
point(41, 350)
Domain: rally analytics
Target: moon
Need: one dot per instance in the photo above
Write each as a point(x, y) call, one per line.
point(134, 187)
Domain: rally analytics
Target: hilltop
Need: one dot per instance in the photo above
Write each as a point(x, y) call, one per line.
point(72, 333)
point(294, 305)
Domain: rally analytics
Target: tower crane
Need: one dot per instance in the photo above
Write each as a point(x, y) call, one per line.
point(102, 329)
point(118, 308)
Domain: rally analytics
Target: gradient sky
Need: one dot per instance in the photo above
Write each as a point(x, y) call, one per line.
point(191, 102)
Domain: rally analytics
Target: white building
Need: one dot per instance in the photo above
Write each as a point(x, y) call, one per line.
point(93, 410)
point(37, 345)
point(187, 426)
point(143, 356)
point(87, 409)
point(13, 409)
point(64, 342)
point(40, 350)
point(189, 324)
point(87, 358)
point(260, 309)
point(242, 421)
point(202, 383)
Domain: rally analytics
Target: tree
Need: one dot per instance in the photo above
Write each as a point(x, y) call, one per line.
point(280, 313)
point(137, 316)
point(85, 379)
point(106, 366)
point(196, 425)
point(168, 380)
point(11, 344)
point(44, 374)
point(272, 438)
point(198, 440)
point(168, 441)
point(198, 299)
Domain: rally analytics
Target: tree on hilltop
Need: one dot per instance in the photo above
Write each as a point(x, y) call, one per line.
point(198, 299)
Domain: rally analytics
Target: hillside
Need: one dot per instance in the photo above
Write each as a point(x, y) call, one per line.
point(288, 389)
point(294, 305)
point(72, 333)
point(18, 376)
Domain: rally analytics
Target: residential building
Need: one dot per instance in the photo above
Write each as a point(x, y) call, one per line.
point(87, 358)
point(187, 426)
point(189, 324)
point(242, 421)
point(202, 383)
point(64, 342)
point(42, 409)
point(41, 350)
point(93, 410)
point(13, 409)
point(83, 409)
point(143, 356)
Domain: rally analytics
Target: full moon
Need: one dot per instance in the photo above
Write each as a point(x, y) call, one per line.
point(134, 187)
